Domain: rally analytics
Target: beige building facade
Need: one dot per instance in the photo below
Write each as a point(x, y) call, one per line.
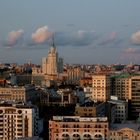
point(101, 87)
point(126, 131)
point(78, 128)
point(91, 128)
point(52, 65)
point(17, 121)
point(18, 94)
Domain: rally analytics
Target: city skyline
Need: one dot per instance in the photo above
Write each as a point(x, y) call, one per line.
point(85, 31)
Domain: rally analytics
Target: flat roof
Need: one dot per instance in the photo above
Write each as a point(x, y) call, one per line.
point(79, 119)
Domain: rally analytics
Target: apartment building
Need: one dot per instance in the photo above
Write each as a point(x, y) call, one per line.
point(121, 86)
point(19, 94)
point(101, 84)
point(17, 121)
point(127, 87)
point(135, 96)
point(90, 109)
point(118, 110)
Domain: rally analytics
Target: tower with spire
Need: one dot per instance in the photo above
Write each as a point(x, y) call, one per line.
point(52, 64)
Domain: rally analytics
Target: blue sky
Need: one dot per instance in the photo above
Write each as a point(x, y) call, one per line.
point(86, 31)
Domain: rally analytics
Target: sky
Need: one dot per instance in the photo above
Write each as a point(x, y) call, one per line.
point(85, 31)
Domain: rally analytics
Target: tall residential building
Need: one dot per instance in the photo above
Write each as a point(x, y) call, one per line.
point(18, 121)
point(135, 96)
point(127, 87)
point(52, 65)
point(101, 84)
point(121, 86)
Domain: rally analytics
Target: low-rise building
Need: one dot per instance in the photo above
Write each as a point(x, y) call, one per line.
point(90, 109)
point(75, 128)
point(62, 97)
point(124, 131)
point(18, 94)
point(118, 109)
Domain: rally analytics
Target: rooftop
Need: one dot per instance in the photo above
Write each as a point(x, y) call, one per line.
point(128, 124)
point(79, 119)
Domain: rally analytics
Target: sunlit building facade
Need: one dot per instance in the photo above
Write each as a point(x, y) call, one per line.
point(17, 121)
point(78, 128)
point(101, 87)
point(52, 64)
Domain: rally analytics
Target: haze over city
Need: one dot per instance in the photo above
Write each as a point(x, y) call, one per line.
point(90, 31)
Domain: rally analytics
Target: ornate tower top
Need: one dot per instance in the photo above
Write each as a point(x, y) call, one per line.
point(53, 47)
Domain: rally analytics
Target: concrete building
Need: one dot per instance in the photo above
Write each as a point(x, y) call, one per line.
point(121, 86)
point(91, 128)
point(18, 94)
point(21, 79)
point(67, 96)
point(76, 128)
point(63, 97)
point(135, 96)
point(52, 65)
point(101, 84)
point(18, 121)
point(124, 131)
point(90, 109)
point(118, 109)
point(127, 87)
point(88, 91)
point(74, 75)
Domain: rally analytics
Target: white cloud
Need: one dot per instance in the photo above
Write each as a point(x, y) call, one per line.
point(14, 36)
point(135, 38)
point(41, 35)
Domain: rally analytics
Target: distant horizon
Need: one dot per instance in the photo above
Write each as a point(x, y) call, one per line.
point(86, 32)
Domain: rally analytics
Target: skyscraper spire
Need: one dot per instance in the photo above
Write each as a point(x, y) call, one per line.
point(53, 44)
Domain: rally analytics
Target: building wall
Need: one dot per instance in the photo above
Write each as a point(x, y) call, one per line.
point(52, 65)
point(121, 112)
point(122, 88)
point(101, 87)
point(74, 75)
point(88, 129)
point(19, 94)
point(74, 128)
point(44, 65)
point(135, 96)
point(90, 111)
point(13, 94)
point(129, 89)
point(17, 122)
point(52, 61)
point(124, 134)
